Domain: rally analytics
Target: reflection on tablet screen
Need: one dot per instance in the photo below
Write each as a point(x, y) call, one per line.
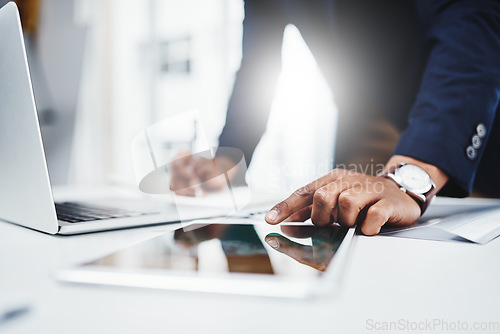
point(291, 250)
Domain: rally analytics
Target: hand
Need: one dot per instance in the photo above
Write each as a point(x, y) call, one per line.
point(325, 242)
point(192, 175)
point(348, 198)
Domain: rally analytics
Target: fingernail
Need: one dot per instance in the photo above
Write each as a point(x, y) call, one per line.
point(272, 215)
point(273, 242)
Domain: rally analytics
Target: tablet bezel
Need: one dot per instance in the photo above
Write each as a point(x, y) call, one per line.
point(327, 284)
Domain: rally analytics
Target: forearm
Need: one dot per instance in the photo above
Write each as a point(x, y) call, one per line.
point(458, 93)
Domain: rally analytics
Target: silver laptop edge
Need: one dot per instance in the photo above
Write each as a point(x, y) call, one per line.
point(25, 191)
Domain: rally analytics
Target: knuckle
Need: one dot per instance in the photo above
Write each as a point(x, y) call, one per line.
point(320, 197)
point(282, 206)
point(304, 191)
point(347, 200)
point(337, 173)
point(376, 213)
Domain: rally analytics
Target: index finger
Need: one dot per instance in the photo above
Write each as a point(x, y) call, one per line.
point(302, 197)
point(301, 253)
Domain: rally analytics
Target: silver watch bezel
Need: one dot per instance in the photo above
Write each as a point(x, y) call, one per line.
point(397, 176)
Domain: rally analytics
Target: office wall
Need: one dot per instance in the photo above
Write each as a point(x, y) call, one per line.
point(131, 80)
point(146, 61)
point(55, 56)
point(124, 65)
point(59, 49)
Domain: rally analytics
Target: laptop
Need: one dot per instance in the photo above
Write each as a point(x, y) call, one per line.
point(25, 191)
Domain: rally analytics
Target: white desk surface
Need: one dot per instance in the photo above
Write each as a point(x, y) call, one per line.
point(387, 280)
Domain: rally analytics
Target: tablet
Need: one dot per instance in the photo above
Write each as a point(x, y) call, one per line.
point(289, 260)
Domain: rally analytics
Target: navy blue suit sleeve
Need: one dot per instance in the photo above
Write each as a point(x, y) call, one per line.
point(460, 89)
point(254, 88)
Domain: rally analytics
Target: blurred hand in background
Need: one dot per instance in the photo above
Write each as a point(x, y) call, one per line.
point(194, 175)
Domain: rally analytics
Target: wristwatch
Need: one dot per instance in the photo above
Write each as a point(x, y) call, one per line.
point(414, 181)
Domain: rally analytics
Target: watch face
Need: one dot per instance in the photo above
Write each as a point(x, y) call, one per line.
point(414, 179)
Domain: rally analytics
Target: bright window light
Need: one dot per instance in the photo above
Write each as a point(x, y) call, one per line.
point(299, 142)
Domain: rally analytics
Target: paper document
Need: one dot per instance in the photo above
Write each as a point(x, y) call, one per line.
point(472, 219)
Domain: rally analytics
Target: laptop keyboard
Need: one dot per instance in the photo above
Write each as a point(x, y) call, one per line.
point(74, 212)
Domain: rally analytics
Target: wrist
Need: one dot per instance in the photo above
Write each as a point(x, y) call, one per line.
point(438, 177)
point(418, 179)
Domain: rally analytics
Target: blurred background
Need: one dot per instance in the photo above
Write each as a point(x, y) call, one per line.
point(104, 70)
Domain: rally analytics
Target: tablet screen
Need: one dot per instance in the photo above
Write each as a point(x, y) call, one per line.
point(291, 250)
